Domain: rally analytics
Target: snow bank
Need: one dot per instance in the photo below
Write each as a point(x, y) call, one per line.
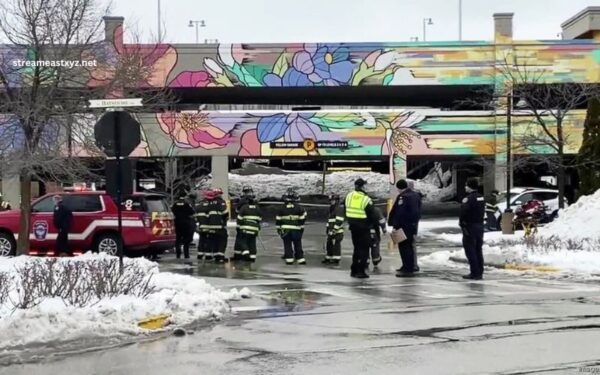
point(185, 298)
point(579, 220)
point(309, 183)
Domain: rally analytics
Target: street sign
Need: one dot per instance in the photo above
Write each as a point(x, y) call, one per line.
point(128, 129)
point(115, 103)
point(310, 145)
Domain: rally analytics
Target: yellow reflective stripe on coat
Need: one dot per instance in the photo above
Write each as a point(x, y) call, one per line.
point(292, 227)
point(255, 218)
point(249, 228)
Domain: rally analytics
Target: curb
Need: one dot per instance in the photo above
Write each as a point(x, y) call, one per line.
point(513, 266)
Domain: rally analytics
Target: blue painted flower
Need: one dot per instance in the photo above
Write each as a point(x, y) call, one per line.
point(327, 64)
point(293, 127)
point(291, 78)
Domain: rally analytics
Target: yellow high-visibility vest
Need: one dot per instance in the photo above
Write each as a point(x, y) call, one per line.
point(356, 203)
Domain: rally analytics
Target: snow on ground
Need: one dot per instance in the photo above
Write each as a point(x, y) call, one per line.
point(187, 299)
point(309, 183)
point(571, 243)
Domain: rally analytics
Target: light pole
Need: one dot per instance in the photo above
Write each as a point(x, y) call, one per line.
point(459, 19)
point(414, 38)
point(198, 24)
point(426, 22)
point(159, 36)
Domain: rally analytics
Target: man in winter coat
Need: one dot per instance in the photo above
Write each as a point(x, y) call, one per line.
point(334, 231)
point(202, 209)
point(405, 215)
point(290, 227)
point(472, 211)
point(378, 225)
point(63, 219)
point(184, 219)
point(217, 218)
point(359, 214)
point(247, 195)
point(249, 218)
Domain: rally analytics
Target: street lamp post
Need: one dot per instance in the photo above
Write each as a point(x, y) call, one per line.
point(198, 24)
point(459, 19)
point(426, 22)
point(159, 36)
point(509, 105)
point(414, 38)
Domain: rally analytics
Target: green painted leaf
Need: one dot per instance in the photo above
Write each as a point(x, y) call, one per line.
point(281, 65)
point(244, 76)
point(387, 79)
point(361, 73)
point(222, 79)
point(337, 121)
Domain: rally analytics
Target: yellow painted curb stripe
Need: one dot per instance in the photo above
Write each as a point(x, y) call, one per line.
point(529, 267)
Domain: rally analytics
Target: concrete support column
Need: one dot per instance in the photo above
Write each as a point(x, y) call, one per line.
point(398, 170)
point(11, 189)
point(220, 174)
point(494, 177)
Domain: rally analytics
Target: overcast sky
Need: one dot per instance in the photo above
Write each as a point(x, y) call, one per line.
point(346, 20)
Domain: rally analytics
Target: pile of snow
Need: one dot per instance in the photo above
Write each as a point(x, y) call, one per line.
point(577, 221)
point(186, 299)
point(309, 183)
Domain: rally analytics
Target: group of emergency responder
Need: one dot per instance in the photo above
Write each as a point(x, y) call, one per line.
point(366, 222)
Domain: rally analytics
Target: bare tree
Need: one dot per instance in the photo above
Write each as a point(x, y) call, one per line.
point(45, 76)
point(542, 110)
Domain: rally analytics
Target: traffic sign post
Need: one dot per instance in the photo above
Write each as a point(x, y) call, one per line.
point(108, 133)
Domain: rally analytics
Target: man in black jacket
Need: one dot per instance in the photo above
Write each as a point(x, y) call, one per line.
point(184, 219)
point(62, 218)
point(472, 211)
point(334, 231)
point(405, 215)
point(249, 219)
point(290, 227)
point(217, 218)
point(247, 196)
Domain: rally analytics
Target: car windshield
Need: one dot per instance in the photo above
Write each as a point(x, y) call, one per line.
point(156, 204)
point(502, 197)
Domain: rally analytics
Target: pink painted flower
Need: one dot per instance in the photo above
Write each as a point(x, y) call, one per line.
point(191, 79)
point(193, 130)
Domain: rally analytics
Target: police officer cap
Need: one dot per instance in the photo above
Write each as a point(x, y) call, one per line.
point(360, 182)
point(473, 183)
point(402, 184)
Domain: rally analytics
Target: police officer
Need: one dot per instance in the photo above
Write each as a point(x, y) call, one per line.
point(290, 226)
point(247, 195)
point(334, 231)
point(359, 213)
point(405, 215)
point(472, 212)
point(62, 218)
point(4, 205)
point(184, 216)
point(202, 209)
point(378, 225)
point(249, 218)
point(217, 218)
point(491, 207)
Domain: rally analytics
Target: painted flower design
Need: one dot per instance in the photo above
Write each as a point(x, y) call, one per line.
point(192, 79)
point(193, 130)
point(293, 127)
point(399, 135)
point(320, 64)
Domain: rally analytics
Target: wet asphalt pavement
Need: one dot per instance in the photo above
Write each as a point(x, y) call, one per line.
point(317, 320)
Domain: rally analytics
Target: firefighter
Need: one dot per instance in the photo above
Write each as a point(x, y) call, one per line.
point(201, 215)
point(184, 216)
point(247, 194)
point(335, 231)
point(491, 207)
point(405, 214)
point(290, 227)
point(472, 212)
point(359, 212)
point(248, 224)
point(218, 215)
point(62, 218)
point(4, 205)
point(378, 225)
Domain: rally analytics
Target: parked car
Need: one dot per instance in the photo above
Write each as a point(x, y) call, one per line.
point(521, 195)
point(147, 222)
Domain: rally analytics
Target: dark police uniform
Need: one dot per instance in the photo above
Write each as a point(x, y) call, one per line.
point(201, 215)
point(184, 220)
point(290, 225)
point(217, 228)
point(491, 207)
point(335, 234)
point(62, 218)
point(405, 215)
point(471, 219)
point(248, 224)
point(359, 213)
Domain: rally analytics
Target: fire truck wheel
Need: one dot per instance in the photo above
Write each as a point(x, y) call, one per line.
point(8, 245)
point(107, 243)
